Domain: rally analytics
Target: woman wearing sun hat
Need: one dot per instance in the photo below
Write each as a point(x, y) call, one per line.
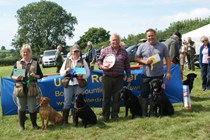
point(74, 60)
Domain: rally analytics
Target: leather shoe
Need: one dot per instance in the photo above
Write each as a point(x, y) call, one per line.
point(115, 117)
point(106, 119)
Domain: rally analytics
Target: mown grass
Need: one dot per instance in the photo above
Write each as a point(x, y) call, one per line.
point(7, 70)
point(183, 125)
point(4, 51)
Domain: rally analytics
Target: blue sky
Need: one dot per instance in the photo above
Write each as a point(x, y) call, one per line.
point(117, 16)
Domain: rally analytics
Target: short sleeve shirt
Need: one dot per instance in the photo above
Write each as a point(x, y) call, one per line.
point(145, 50)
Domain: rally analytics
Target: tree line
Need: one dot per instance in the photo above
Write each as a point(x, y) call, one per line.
point(45, 24)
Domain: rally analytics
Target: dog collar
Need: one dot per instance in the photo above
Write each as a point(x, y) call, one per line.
point(78, 108)
point(157, 93)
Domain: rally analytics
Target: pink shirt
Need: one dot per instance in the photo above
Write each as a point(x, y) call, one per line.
point(205, 55)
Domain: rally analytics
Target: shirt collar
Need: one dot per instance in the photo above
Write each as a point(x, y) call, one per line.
point(76, 59)
point(23, 60)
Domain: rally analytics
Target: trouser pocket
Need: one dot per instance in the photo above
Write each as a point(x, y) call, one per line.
point(32, 89)
point(18, 89)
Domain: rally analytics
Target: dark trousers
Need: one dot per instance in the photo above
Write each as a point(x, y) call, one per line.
point(145, 85)
point(145, 92)
point(91, 67)
point(58, 67)
point(111, 87)
point(205, 76)
point(190, 59)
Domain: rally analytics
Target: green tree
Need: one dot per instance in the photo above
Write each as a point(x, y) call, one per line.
point(43, 25)
point(95, 35)
point(3, 48)
point(133, 39)
point(2, 55)
point(13, 52)
point(181, 26)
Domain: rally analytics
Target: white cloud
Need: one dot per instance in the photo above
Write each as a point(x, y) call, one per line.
point(164, 21)
point(196, 13)
point(120, 16)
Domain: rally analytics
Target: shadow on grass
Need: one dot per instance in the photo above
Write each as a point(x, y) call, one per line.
point(200, 108)
point(101, 124)
point(197, 99)
point(195, 108)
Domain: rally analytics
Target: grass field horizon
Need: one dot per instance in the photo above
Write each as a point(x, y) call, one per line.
point(183, 125)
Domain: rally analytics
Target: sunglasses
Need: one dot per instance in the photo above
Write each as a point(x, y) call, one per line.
point(204, 41)
point(76, 51)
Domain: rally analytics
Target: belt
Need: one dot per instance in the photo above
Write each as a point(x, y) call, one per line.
point(144, 76)
point(113, 76)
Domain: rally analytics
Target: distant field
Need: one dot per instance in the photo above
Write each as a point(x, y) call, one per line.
point(6, 71)
point(4, 51)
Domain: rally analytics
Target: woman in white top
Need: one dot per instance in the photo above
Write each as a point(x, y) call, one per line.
point(74, 60)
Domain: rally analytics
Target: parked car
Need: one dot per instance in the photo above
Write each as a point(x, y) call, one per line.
point(162, 40)
point(48, 58)
point(64, 57)
point(84, 55)
point(131, 50)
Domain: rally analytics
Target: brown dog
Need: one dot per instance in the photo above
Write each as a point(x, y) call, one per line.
point(47, 113)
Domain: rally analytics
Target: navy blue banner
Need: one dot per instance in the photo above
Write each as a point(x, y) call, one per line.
point(51, 87)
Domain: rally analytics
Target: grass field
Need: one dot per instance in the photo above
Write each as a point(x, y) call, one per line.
point(183, 125)
point(4, 51)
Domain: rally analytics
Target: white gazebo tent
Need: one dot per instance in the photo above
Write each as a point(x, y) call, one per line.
point(197, 34)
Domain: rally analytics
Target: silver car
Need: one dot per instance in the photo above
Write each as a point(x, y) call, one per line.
point(48, 58)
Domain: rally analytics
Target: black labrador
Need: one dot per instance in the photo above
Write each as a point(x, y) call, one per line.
point(190, 80)
point(83, 111)
point(131, 102)
point(159, 100)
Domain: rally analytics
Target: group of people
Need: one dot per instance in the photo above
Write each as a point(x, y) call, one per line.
point(179, 50)
point(112, 79)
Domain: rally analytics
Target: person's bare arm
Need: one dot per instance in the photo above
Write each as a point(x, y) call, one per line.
point(168, 64)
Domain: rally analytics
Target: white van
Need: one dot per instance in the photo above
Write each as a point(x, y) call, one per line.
point(48, 58)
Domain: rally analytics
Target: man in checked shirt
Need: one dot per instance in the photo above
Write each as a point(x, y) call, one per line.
point(112, 80)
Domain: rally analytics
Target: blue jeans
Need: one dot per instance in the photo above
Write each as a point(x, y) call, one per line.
point(68, 93)
point(205, 75)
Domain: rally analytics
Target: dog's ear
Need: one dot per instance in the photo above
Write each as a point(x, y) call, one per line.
point(160, 81)
point(150, 84)
point(48, 99)
point(188, 76)
point(40, 98)
point(83, 95)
